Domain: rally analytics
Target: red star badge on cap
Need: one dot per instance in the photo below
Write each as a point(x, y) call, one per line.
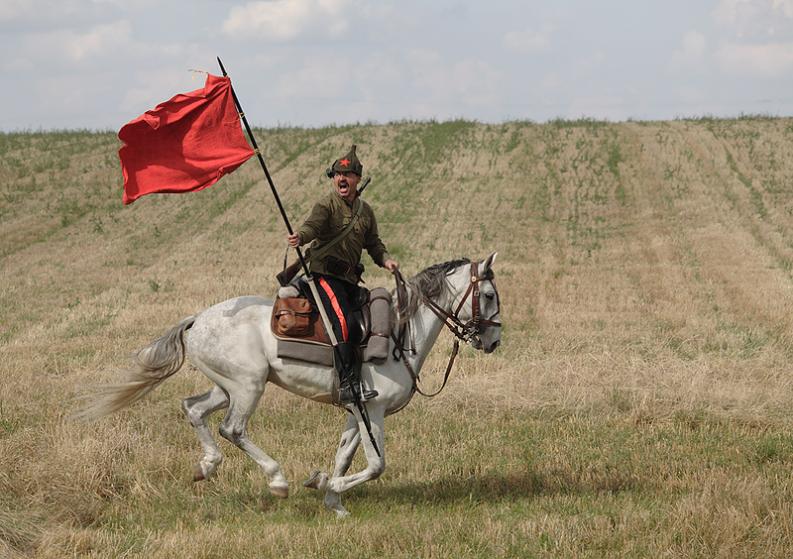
point(345, 162)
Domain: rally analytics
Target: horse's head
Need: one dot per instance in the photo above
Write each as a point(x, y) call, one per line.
point(476, 305)
point(463, 295)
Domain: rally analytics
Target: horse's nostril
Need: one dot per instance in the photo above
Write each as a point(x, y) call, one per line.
point(492, 347)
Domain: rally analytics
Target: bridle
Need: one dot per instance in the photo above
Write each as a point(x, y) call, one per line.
point(468, 331)
point(463, 331)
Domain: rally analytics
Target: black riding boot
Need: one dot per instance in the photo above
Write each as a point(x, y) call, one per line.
point(349, 370)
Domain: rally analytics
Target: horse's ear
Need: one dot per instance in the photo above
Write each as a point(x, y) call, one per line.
point(490, 260)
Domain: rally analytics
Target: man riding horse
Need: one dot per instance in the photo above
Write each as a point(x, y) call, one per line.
point(340, 226)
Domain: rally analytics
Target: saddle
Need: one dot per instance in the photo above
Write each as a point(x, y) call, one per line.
point(300, 334)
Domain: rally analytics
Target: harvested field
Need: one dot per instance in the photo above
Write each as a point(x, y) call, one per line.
point(639, 404)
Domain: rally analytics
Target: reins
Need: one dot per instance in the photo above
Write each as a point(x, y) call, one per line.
point(463, 331)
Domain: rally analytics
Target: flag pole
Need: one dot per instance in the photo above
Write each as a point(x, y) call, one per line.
point(266, 172)
point(312, 285)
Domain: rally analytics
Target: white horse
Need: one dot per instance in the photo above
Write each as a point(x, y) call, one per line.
point(231, 343)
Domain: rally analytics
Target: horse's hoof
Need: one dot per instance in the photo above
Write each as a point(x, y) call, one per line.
point(280, 491)
point(333, 502)
point(198, 473)
point(316, 480)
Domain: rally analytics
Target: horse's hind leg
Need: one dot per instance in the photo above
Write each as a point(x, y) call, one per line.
point(197, 408)
point(233, 428)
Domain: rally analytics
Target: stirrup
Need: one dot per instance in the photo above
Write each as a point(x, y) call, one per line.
point(347, 396)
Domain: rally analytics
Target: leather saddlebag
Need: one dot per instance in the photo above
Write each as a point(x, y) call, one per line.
point(292, 317)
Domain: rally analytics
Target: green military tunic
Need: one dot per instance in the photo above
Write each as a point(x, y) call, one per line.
point(328, 218)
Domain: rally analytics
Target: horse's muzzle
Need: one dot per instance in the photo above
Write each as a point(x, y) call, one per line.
point(492, 347)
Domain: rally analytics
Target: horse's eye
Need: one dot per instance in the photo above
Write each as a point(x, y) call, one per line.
point(490, 296)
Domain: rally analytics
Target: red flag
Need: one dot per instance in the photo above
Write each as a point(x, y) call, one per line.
point(184, 144)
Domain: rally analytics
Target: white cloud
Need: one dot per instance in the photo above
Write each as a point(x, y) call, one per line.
point(74, 47)
point(415, 83)
point(691, 51)
point(11, 10)
point(153, 87)
point(784, 6)
point(528, 40)
point(551, 81)
point(755, 19)
point(312, 79)
point(30, 15)
point(769, 60)
point(443, 83)
point(114, 43)
point(28, 10)
point(693, 44)
point(282, 20)
point(729, 12)
point(759, 38)
point(97, 40)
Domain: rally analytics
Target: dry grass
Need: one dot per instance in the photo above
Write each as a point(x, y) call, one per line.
point(637, 407)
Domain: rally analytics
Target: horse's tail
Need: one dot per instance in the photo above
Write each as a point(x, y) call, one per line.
point(153, 364)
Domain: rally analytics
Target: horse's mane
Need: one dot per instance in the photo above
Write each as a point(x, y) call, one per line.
point(431, 283)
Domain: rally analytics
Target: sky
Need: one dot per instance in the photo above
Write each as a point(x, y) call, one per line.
point(97, 64)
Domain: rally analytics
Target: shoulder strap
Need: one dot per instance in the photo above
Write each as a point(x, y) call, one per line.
point(320, 250)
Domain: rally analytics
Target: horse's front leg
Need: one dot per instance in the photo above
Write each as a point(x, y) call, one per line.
point(375, 465)
point(350, 439)
point(348, 444)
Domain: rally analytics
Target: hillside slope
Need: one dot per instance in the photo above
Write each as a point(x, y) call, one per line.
point(645, 270)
